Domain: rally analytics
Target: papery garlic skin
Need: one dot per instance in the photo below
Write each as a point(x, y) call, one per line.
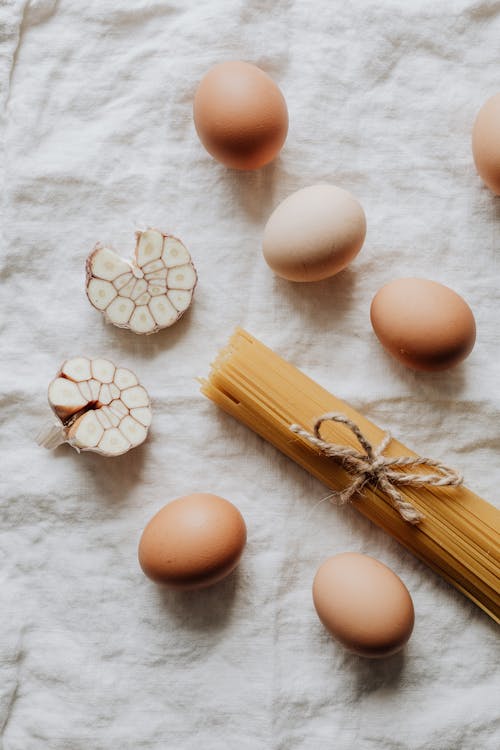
point(148, 294)
point(100, 407)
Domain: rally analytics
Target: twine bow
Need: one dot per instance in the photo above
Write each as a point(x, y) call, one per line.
point(372, 467)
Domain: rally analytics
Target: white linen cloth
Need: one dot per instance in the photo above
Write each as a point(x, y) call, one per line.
point(98, 139)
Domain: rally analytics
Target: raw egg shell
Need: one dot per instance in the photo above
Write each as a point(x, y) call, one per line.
point(240, 115)
point(486, 143)
point(314, 233)
point(193, 541)
point(423, 324)
point(363, 604)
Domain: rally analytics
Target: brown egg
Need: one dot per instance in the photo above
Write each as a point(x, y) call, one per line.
point(314, 233)
point(193, 541)
point(363, 604)
point(486, 143)
point(240, 115)
point(423, 324)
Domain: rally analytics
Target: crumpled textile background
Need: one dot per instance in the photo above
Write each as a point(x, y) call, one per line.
point(97, 140)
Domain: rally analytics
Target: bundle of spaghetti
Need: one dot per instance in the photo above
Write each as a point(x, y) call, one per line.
point(459, 534)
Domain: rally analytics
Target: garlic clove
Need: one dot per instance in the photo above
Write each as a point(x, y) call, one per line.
point(95, 387)
point(174, 253)
point(163, 311)
point(84, 389)
point(123, 280)
point(136, 396)
point(113, 418)
point(114, 443)
point(149, 246)
point(66, 396)
point(181, 277)
point(143, 299)
point(133, 430)
point(119, 311)
point(124, 378)
point(180, 299)
point(87, 431)
point(77, 369)
point(103, 418)
point(115, 392)
point(141, 320)
point(100, 293)
point(106, 264)
point(159, 288)
point(100, 407)
point(105, 394)
point(142, 414)
point(103, 370)
point(155, 265)
point(118, 408)
point(157, 275)
point(126, 292)
point(140, 287)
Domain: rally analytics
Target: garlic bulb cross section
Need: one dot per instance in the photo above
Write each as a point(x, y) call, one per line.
point(147, 294)
point(100, 408)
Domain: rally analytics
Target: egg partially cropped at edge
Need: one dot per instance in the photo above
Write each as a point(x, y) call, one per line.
point(486, 143)
point(314, 233)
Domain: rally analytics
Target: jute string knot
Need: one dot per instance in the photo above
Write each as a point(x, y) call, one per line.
point(370, 466)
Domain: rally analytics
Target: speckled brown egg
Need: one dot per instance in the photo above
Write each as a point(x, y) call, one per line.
point(193, 541)
point(425, 325)
point(486, 143)
point(363, 604)
point(240, 115)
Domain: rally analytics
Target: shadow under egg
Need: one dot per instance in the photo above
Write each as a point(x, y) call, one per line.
point(322, 303)
point(449, 382)
point(254, 189)
point(202, 610)
point(372, 675)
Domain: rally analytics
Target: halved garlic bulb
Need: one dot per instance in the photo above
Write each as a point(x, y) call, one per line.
point(100, 407)
point(147, 294)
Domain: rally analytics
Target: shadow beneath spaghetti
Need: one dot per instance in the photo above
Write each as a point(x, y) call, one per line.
point(202, 610)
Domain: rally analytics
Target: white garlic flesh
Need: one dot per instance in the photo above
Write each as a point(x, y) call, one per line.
point(147, 294)
point(100, 408)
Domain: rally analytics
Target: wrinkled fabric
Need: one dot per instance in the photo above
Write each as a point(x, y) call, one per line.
point(97, 140)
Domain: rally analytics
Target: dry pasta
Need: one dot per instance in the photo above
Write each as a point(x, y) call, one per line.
point(459, 536)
